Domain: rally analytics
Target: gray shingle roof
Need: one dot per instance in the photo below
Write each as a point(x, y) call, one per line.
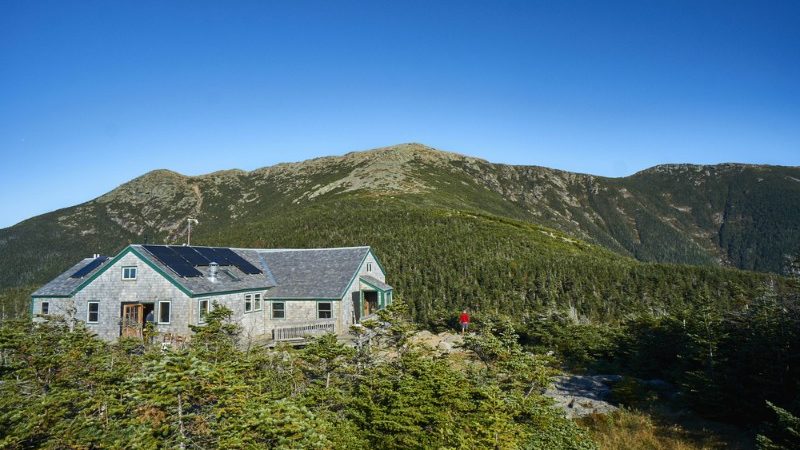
point(64, 284)
point(375, 282)
point(229, 278)
point(313, 273)
point(289, 273)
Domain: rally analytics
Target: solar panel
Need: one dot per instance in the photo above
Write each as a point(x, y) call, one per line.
point(190, 255)
point(95, 263)
point(185, 270)
point(173, 260)
point(213, 255)
point(239, 262)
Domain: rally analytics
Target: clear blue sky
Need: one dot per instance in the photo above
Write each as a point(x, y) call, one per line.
point(93, 94)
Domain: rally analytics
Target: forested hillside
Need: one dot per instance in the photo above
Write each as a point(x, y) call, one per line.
point(731, 215)
point(635, 275)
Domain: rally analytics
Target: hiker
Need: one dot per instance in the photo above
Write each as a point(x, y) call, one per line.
point(464, 320)
point(149, 329)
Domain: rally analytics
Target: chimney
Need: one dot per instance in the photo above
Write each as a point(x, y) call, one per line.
point(95, 255)
point(212, 271)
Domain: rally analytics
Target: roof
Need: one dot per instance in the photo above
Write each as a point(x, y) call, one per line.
point(229, 278)
point(376, 283)
point(323, 273)
point(64, 284)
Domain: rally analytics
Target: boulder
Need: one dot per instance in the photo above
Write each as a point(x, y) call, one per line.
point(583, 395)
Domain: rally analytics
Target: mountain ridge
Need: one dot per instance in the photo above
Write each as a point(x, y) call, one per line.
point(736, 215)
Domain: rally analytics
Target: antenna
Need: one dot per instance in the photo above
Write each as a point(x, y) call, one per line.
point(189, 235)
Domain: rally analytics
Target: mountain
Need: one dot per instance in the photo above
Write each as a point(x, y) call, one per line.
point(447, 225)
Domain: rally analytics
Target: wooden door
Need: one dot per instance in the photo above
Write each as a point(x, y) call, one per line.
point(132, 320)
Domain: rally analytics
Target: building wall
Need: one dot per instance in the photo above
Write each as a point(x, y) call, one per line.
point(111, 292)
point(151, 287)
point(300, 312)
point(348, 312)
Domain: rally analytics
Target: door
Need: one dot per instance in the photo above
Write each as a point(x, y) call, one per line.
point(132, 320)
point(357, 306)
point(370, 302)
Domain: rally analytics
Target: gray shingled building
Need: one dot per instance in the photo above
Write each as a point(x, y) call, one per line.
point(277, 294)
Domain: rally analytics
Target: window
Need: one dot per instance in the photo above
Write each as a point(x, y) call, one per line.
point(93, 313)
point(248, 302)
point(129, 273)
point(324, 310)
point(202, 310)
point(45, 307)
point(279, 310)
point(369, 267)
point(257, 302)
point(163, 312)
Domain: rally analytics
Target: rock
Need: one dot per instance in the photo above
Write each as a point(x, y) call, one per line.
point(424, 335)
point(451, 338)
point(583, 395)
point(446, 346)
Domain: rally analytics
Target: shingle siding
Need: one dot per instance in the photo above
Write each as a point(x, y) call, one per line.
point(315, 275)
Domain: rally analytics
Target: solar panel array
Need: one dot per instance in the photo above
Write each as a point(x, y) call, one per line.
point(183, 259)
point(173, 260)
point(85, 270)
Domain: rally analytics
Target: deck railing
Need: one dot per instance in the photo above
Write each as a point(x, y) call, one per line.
point(300, 332)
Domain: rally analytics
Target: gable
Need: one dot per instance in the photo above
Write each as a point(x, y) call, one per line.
point(65, 286)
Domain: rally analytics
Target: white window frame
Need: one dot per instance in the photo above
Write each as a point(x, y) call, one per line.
point(200, 315)
point(89, 312)
point(369, 267)
point(283, 310)
point(257, 302)
point(169, 306)
point(248, 303)
point(329, 311)
point(42, 308)
point(135, 273)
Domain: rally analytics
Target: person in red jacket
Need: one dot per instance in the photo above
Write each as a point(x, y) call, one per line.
point(464, 320)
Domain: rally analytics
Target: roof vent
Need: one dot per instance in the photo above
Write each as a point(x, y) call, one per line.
point(212, 271)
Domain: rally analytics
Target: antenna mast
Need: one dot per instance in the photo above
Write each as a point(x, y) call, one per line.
point(189, 234)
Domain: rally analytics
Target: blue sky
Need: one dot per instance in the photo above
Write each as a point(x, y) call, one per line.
point(93, 94)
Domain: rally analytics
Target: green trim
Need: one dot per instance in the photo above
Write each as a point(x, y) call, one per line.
point(373, 286)
point(377, 261)
point(295, 299)
point(358, 271)
point(50, 296)
point(124, 252)
point(237, 291)
point(170, 278)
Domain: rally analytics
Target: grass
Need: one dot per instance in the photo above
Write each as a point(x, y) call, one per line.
point(662, 430)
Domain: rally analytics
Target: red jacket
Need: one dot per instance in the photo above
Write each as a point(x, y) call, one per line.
point(464, 318)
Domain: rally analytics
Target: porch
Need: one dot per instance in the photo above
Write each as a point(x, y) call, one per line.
point(372, 296)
